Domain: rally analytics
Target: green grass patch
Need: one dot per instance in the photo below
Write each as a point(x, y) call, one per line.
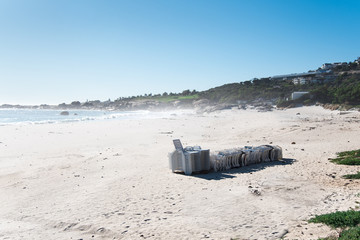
point(350, 153)
point(352, 176)
point(167, 98)
point(195, 96)
point(173, 98)
point(348, 158)
point(350, 234)
point(345, 219)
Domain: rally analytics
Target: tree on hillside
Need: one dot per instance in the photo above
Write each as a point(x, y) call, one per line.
point(247, 83)
point(186, 92)
point(75, 104)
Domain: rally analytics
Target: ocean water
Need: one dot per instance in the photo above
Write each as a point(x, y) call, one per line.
point(42, 116)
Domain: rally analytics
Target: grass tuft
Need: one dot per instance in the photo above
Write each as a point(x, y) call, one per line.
point(349, 218)
point(174, 98)
point(350, 234)
point(352, 176)
point(348, 158)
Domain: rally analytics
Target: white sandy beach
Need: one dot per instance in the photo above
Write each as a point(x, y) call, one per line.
point(110, 179)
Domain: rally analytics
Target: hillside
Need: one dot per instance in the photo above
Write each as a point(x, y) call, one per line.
point(335, 83)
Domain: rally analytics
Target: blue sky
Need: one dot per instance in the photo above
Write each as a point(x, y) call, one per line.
point(61, 51)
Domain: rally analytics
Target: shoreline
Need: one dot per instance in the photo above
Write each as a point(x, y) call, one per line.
point(112, 114)
point(110, 179)
point(51, 116)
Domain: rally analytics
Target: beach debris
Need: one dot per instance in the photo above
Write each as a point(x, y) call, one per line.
point(195, 159)
point(240, 157)
point(189, 159)
point(293, 143)
point(169, 132)
point(256, 192)
point(101, 230)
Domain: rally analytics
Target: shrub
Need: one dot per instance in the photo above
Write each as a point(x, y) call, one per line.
point(308, 102)
point(350, 234)
point(352, 176)
point(349, 218)
point(348, 158)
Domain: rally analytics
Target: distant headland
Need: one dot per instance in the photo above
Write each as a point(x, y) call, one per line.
point(334, 85)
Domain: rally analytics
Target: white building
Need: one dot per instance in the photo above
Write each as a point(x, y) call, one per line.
point(327, 66)
point(299, 80)
point(296, 95)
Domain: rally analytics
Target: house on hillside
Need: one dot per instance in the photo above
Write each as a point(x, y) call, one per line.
point(304, 78)
point(291, 77)
point(299, 80)
point(328, 66)
point(296, 95)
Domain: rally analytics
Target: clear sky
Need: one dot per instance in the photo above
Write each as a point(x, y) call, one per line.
point(65, 50)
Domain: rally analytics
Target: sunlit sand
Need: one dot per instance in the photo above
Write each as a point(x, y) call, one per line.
point(111, 179)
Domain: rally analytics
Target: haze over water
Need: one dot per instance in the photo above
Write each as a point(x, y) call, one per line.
point(39, 116)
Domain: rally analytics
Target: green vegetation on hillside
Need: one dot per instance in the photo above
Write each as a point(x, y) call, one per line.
point(351, 66)
point(174, 98)
point(169, 98)
point(340, 86)
point(344, 90)
point(264, 89)
point(165, 97)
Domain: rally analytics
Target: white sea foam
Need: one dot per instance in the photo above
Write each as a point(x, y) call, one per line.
point(45, 116)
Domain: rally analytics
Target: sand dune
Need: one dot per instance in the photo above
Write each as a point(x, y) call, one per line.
point(110, 179)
